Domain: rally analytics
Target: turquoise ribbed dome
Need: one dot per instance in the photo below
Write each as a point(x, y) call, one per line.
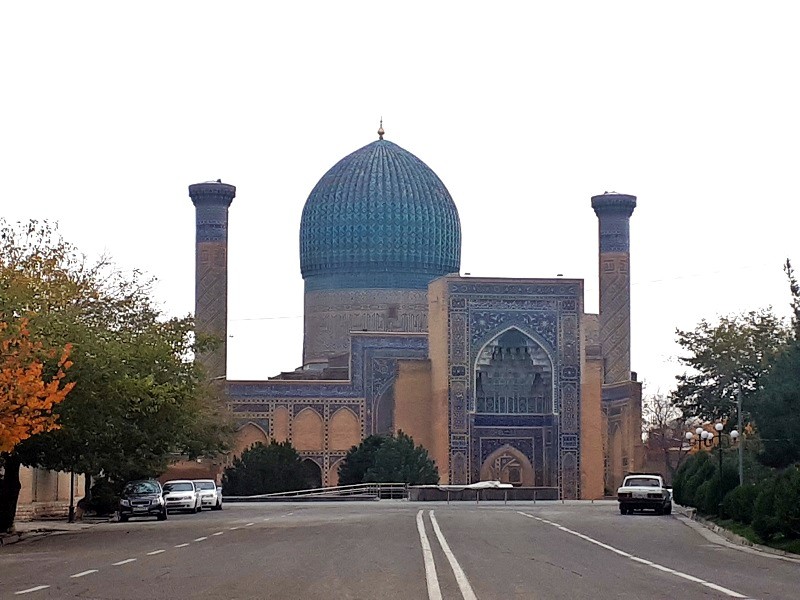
point(380, 217)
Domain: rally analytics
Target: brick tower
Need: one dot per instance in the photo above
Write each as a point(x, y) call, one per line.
point(613, 213)
point(211, 201)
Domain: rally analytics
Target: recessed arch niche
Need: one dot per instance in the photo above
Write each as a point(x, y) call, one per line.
point(513, 375)
point(308, 432)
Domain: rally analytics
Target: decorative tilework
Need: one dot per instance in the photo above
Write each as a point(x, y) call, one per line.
point(379, 210)
point(569, 407)
point(458, 370)
point(545, 311)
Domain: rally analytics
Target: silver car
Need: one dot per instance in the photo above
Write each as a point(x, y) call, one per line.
point(182, 494)
point(210, 494)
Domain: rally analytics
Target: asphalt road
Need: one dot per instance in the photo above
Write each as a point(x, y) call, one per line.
point(395, 549)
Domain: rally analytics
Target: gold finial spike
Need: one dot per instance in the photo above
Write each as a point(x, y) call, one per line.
point(380, 130)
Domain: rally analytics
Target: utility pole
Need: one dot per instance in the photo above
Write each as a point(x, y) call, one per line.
point(741, 433)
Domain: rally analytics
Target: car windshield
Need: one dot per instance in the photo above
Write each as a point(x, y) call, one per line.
point(178, 487)
point(141, 487)
point(205, 485)
point(642, 482)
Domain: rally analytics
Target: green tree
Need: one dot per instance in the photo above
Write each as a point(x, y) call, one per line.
point(359, 459)
point(777, 411)
point(139, 399)
point(737, 351)
point(266, 469)
point(388, 459)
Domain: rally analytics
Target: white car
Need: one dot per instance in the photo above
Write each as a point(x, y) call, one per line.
point(182, 494)
point(210, 494)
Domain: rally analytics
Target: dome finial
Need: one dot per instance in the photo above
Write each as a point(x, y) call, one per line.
point(380, 130)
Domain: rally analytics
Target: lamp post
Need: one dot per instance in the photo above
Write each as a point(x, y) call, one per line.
point(706, 438)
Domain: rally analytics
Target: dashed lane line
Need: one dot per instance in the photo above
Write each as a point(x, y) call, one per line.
point(218, 533)
point(33, 589)
point(83, 573)
point(154, 552)
point(232, 528)
point(123, 562)
point(200, 539)
point(249, 524)
point(648, 563)
point(182, 545)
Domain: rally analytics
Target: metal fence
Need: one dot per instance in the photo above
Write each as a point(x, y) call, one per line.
point(360, 491)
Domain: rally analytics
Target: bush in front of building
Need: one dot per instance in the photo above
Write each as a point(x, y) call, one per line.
point(265, 469)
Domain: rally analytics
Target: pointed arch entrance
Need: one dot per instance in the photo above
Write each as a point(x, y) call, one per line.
point(514, 436)
point(508, 465)
point(513, 375)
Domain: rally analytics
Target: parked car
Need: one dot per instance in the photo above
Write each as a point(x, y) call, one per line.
point(644, 491)
point(181, 494)
point(210, 494)
point(142, 498)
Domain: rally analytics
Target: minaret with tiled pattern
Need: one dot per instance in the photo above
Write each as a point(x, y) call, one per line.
point(613, 213)
point(211, 201)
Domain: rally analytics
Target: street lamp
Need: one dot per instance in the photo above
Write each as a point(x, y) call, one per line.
point(706, 438)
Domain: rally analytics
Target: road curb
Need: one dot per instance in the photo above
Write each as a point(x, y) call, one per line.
point(37, 529)
point(733, 538)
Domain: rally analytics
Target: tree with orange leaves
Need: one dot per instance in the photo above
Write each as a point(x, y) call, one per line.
point(27, 394)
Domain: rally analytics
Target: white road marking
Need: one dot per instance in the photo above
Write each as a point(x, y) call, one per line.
point(289, 514)
point(233, 528)
point(218, 533)
point(461, 578)
point(266, 519)
point(686, 576)
point(182, 545)
point(83, 573)
point(33, 589)
point(124, 562)
point(434, 593)
point(249, 524)
point(200, 539)
point(154, 552)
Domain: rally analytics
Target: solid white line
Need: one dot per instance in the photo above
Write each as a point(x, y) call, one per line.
point(218, 533)
point(182, 545)
point(434, 593)
point(33, 589)
point(200, 539)
point(461, 578)
point(686, 576)
point(154, 552)
point(82, 573)
point(123, 562)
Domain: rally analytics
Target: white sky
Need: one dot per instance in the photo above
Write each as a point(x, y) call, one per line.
point(109, 110)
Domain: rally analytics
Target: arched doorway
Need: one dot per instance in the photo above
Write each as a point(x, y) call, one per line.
point(508, 465)
point(312, 474)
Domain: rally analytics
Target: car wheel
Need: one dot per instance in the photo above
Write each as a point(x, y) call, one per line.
point(668, 510)
point(162, 516)
point(123, 518)
point(623, 510)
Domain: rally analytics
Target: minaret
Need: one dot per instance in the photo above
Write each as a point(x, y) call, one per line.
point(211, 201)
point(614, 212)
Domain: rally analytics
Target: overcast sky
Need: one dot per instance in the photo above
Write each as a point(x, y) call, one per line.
point(525, 110)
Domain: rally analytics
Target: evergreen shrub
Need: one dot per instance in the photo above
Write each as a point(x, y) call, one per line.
point(787, 502)
point(738, 503)
point(765, 522)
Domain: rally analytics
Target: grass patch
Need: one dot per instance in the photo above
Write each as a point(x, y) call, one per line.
point(779, 542)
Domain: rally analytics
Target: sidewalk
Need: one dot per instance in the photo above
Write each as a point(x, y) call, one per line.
point(25, 530)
